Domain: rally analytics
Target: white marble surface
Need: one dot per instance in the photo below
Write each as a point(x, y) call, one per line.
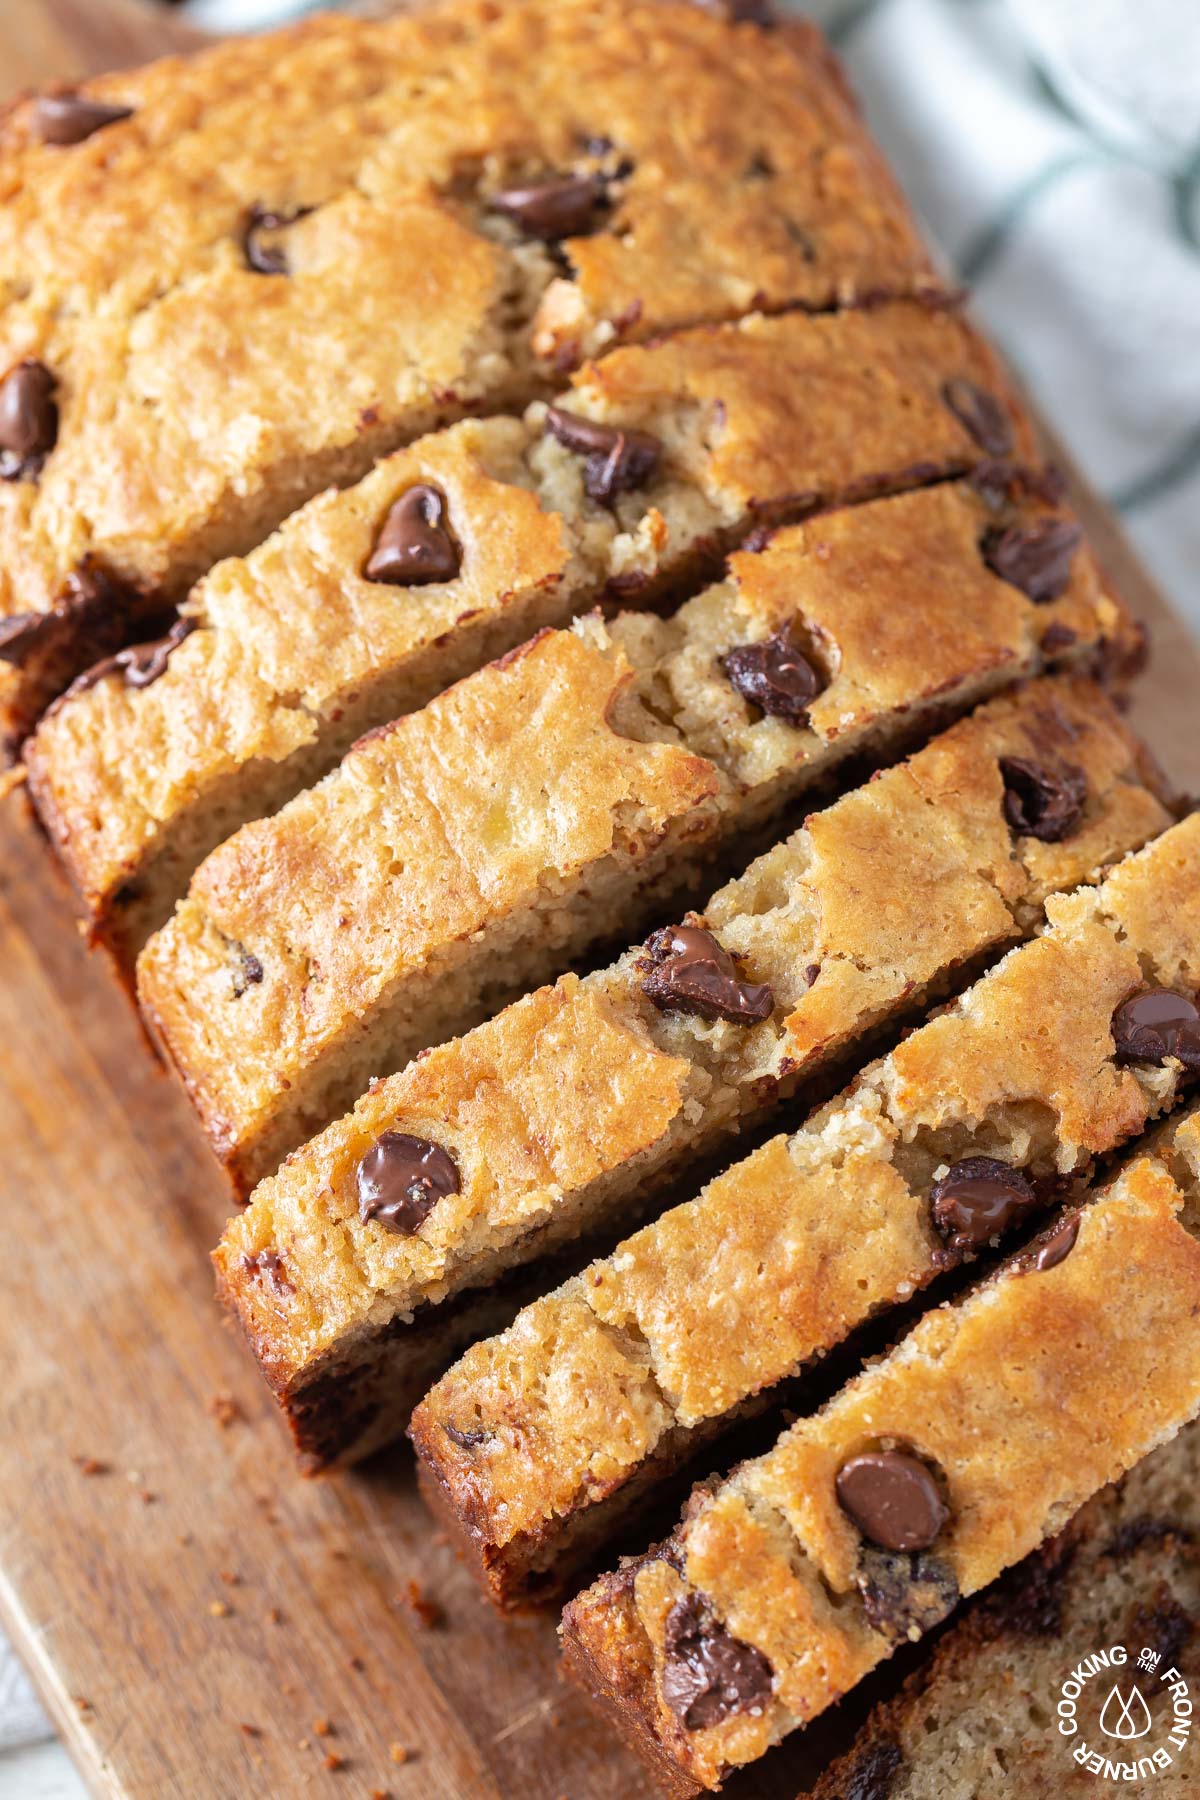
point(1055, 165)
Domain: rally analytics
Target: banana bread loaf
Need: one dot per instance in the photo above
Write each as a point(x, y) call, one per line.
point(977, 1717)
point(330, 628)
point(568, 1108)
point(965, 1447)
point(537, 1441)
point(231, 280)
point(467, 851)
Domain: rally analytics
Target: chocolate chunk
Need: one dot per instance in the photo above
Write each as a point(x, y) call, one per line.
point(69, 118)
point(775, 675)
point(28, 420)
point(1042, 803)
point(904, 1596)
point(977, 1199)
point(401, 1180)
point(1053, 1247)
point(617, 460)
point(466, 1440)
point(1163, 1624)
point(561, 206)
point(692, 973)
point(893, 1499)
point(268, 259)
point(1058, 637)
point(247, 970)
point(981, 414)
point(414, 546)
point(1156, 1024)
point(709, 1674)
point(267, 1264)
point(24, 634)
point(872, 1773)
point(1035, 558)
point(140, 664)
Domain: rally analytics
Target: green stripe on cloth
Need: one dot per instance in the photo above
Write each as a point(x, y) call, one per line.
point(989, 242)
point(1178, 466)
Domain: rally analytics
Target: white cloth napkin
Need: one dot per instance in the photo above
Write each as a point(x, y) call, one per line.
point(1053, 149)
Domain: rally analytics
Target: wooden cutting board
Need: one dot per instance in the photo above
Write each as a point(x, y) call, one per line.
point(195, 1615)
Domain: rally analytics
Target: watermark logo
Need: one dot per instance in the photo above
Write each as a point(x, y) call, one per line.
point(1140, 1728)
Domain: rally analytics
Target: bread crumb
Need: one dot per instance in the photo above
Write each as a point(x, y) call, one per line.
point(426, 1611)
point(323, 1728)
point(91, 1465)
point(334, 1762)
point(400, 1753)
point(225, 1410)
point(250, 1730)
point(218, 1609)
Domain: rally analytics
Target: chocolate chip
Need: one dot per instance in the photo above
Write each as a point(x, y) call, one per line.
point(978, 1199)
point(1058, 637)
point(414, 546)
point(893, 1499)
point(905, 1596)
point(401, 1180)
point(559, 207)
point(1035, 558)
point(774, 675)
point(692, 973)
point(1042, 803)
point(1052, 1248)
point(981, 414)
point(268, 259)
point(69, 118)
point(709, 1674)
point(617, 460)
point(466, 1440)
point(28, 420)
point(268, 1264)
point(24, 634)
point(140, 664)
point(872, 1773)
point(1156, 1024)
point(247, 970)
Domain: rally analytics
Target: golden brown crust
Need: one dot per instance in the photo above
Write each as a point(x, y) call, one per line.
point(1026, 1397)
point(296, 652)
point(200, 400)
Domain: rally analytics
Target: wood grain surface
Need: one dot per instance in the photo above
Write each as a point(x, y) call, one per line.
point(194, 1615)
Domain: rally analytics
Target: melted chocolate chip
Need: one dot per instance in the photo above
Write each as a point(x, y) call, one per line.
point(905, 1595)
point(28, 420)
point(414, 546)
point(268, 259)
point(872, 1773)
point(774, 675)
point(466, 1440)
point(893, 1499)
point(1052, 1248)
point(401, 1180)
point(267, 1265)
point(690, 972)
point(1042, 803)
point(709, 1674)
point(140, 664)
point(24, 634)
point(1035, 558)
point(561, 206)
point(247, 970)
point(1156, 1024)
point(1058, 637)
point(981, 414)
point(69, 118)
point(616, 460)
point(978, 1199)
point(1164, 1625)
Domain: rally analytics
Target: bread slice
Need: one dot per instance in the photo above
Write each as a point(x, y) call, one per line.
point(192, 357)
point(981, 1715)
point(564, 1111)
point(958, 1453)
point(468, 851)
point(299, 648)
point(537, 1442)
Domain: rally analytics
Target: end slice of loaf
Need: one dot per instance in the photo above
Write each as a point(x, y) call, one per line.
point(567, 1109)
point(538, 1441)
point(468, 851)
point(295, 651)
point(218, 350)
point(1018, 1403)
